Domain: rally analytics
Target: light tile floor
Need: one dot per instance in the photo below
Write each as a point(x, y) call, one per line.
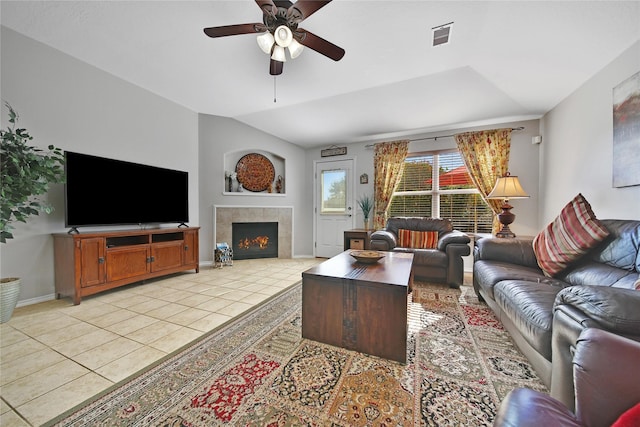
point(54, 355)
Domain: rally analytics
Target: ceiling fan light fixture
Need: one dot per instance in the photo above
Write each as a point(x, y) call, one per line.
point(266, 41)
point(283, 36)
point(295, 49)
point(278, 54)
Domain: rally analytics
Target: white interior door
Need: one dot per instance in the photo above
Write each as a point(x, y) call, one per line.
point(335, 209)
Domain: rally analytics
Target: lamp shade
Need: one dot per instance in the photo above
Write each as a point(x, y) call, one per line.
point(283, 36)
point(265, 41)
point(278, 54)
point(507, 187)
point(295, 49)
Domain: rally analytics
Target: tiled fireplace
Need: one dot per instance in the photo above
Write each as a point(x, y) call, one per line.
point(224, 216)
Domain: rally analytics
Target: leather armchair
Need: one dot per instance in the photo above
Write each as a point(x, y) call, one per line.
point(577, 308)
point(605, 368)
point(443, 264)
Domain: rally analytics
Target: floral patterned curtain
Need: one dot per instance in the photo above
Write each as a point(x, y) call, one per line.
point(486, 155)
point(388, 162)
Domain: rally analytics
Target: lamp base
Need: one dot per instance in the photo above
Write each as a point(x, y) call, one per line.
point(506, 217)
point(505, 232)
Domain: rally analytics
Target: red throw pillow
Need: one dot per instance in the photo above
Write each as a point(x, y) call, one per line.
point(630, 418)
point(568, 237)
point(417, 239)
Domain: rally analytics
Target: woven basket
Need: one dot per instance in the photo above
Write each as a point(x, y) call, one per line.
point(9, 293)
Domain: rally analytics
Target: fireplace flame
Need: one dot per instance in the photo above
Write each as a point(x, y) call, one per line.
point(260, 241)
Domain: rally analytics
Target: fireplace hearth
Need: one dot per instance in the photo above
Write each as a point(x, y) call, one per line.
point(254, 240)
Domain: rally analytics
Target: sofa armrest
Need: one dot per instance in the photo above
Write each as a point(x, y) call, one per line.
point(383, 240)
point(512, 251)
point(613, 309)
point(455, 246)
point(605, 367)
point(603, 393)
point(453, 237)
point(577, 308)
point(524, 407)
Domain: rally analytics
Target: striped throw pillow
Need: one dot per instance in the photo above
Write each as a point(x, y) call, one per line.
point(417, 239)
point(568, 237)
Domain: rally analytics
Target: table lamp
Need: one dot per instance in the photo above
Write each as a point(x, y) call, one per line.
point(507, 187)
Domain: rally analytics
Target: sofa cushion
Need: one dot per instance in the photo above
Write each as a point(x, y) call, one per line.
point(515, 251)
point(529, 306)
point(622, 248)
point(568, 237)
point(591, 273)
point(488, 273)
point(417, 239)
point(426, 257)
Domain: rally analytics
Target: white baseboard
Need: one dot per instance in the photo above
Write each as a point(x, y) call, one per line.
point(36, 300)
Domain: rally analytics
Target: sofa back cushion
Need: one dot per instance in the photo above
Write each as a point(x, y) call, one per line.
point(417, 239)
point(568, 237)
point(419, 223)
point(622, 248)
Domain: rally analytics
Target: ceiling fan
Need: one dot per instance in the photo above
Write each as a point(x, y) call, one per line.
point(279, 31)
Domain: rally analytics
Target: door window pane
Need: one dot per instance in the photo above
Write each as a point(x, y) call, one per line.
point(334, 192)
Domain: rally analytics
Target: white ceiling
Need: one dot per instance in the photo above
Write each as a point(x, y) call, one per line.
point(505, 60)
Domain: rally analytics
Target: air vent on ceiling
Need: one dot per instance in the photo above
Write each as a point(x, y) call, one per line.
point(441, 34)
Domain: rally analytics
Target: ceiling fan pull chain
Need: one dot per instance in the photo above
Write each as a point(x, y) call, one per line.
point(274, 89)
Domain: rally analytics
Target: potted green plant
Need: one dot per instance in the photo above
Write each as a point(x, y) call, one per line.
point(26, 172)
point(366, 204)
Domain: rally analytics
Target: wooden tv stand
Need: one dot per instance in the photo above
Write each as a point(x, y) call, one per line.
point(89, 263)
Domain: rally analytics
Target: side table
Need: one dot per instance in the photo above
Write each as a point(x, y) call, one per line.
point(358, 238)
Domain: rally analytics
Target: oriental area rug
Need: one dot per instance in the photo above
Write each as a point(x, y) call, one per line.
point(256, 370)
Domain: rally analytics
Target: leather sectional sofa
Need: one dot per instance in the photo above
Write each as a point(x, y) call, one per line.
point(545, 315)
point(443, 263)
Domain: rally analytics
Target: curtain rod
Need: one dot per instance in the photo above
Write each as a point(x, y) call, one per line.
point(435, 138)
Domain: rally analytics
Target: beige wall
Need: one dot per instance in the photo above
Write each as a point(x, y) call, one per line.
point(577, 147)
point(78, 107)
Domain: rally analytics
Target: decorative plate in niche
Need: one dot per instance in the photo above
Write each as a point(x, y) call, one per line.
point(255, 172)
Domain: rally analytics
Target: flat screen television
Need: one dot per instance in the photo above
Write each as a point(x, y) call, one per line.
point(101, 191)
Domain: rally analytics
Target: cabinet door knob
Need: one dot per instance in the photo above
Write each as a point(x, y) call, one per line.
point(186, 247)
point(101, 260)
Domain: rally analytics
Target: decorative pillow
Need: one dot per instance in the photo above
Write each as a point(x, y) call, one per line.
point(417, 239)
point(630, 418)
point(568, 237)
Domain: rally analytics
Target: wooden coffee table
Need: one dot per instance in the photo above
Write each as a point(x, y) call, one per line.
point(357, 306)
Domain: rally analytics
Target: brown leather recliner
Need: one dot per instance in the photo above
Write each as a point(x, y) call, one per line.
point(605, 369)
point(444, 263)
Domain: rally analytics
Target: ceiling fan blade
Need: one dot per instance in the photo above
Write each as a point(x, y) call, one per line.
point(232, 30)
point(275, 67)
point(309, 7)
point(320, 45)
point(267, 6)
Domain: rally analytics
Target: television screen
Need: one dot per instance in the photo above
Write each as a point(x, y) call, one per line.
point(101, 191)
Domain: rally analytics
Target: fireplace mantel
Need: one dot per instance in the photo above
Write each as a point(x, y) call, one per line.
point(225, 215)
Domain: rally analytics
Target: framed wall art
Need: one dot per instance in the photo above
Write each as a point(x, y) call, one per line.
point(626, 132)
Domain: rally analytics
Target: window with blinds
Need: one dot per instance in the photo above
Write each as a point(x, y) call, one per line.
point(438, 185)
